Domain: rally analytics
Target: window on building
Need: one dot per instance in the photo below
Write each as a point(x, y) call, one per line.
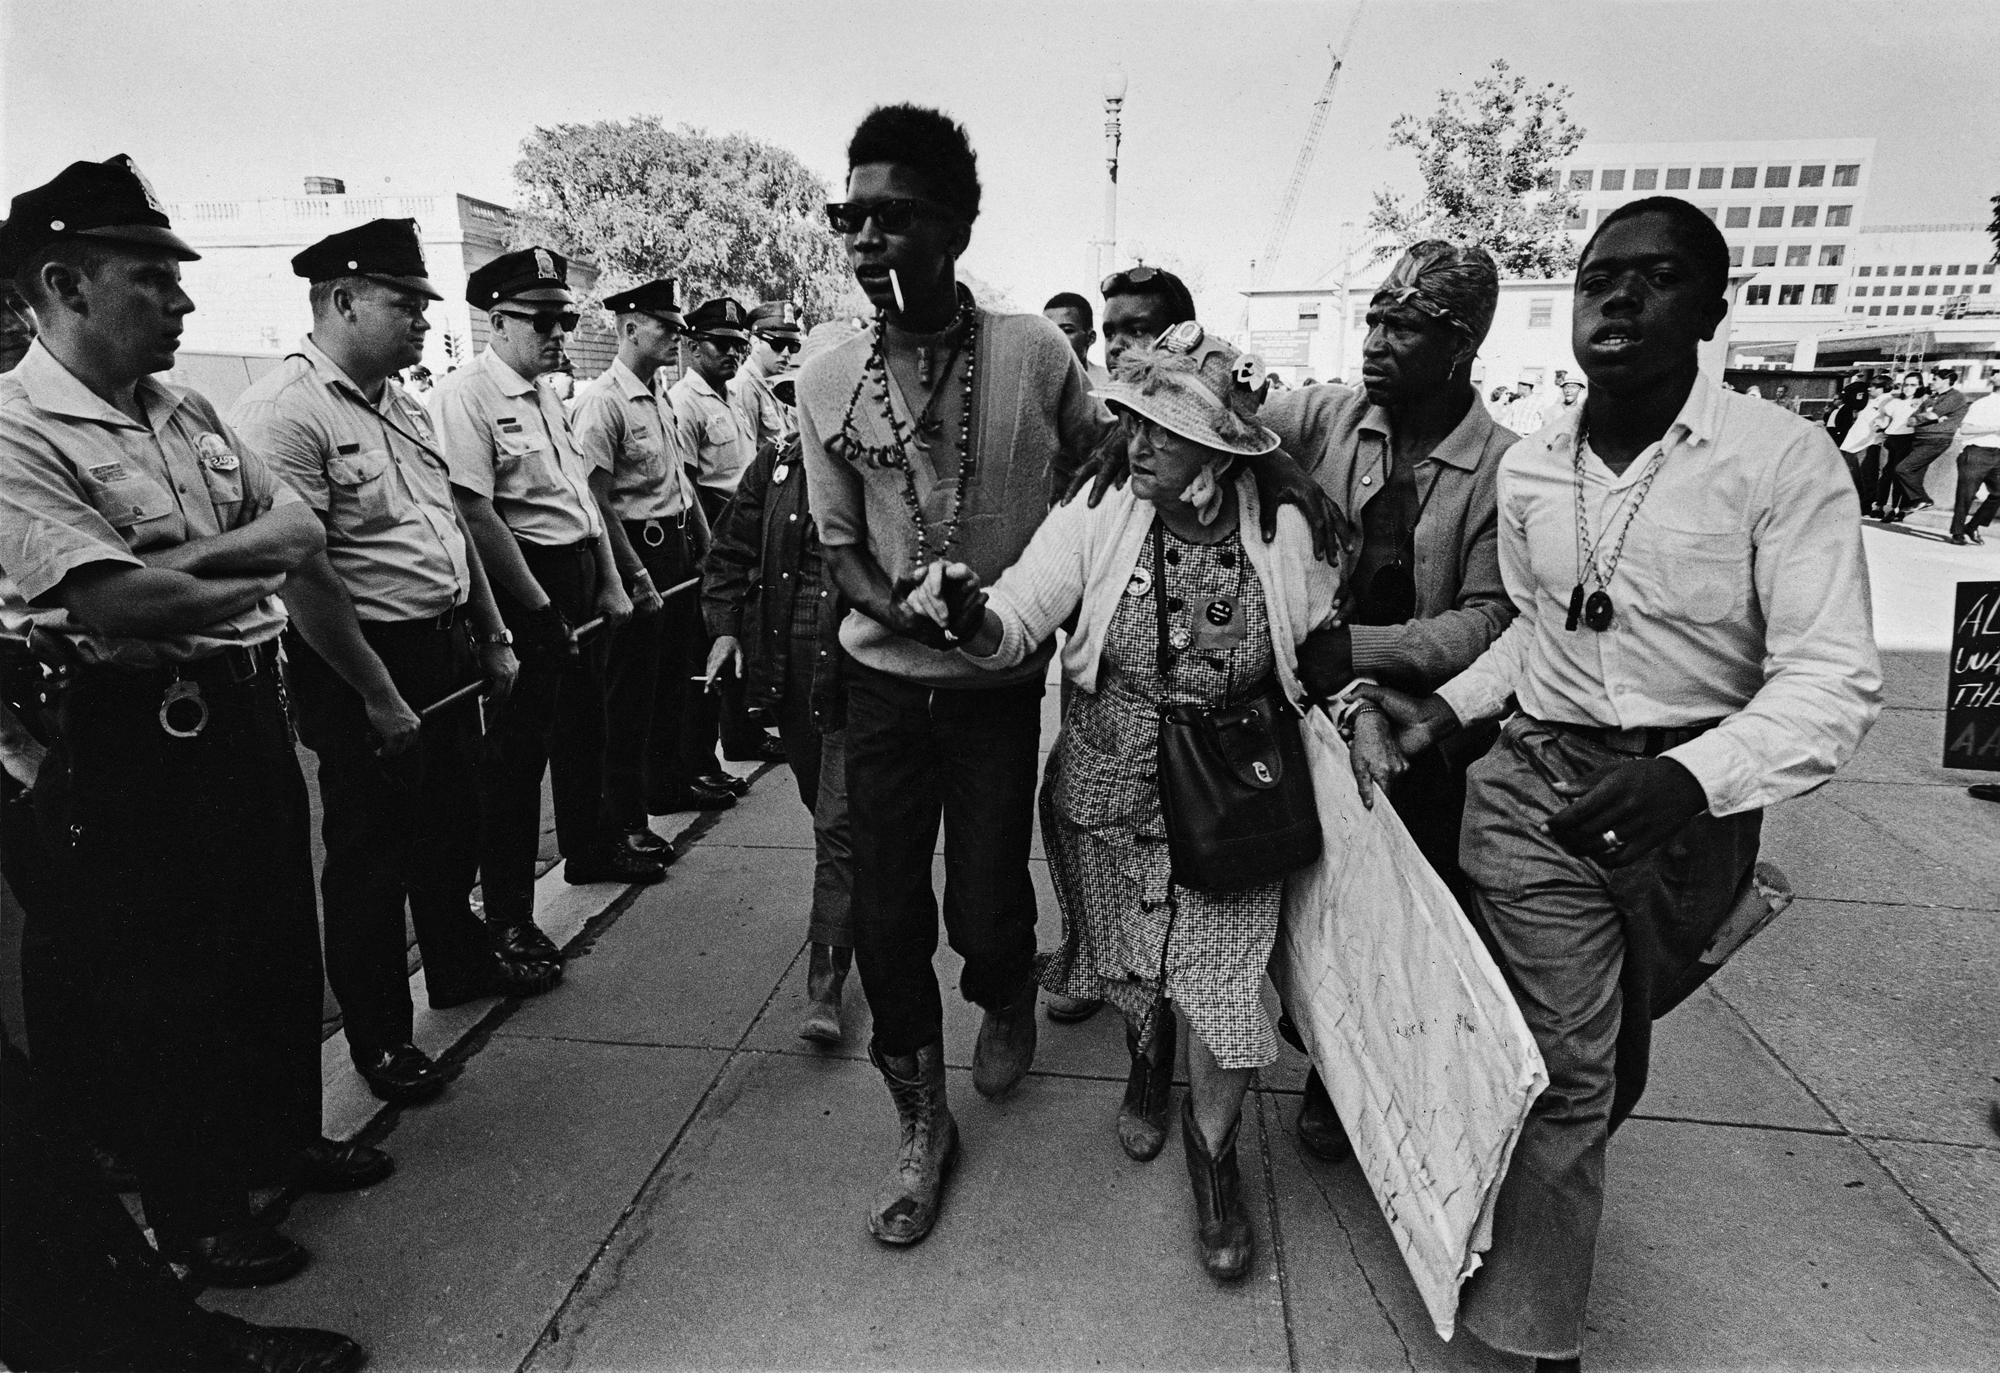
point(1308, 314)
point(1930, 290)
point(1646, 179)
point(1847, 174)
point(1952, 270)
point(1862, 271)
point(1832, 254)
point(1899, 271)
point(1879, 290)
point(1824, 295)
point(1937, 269)
point(1736, 255)
point(1677, 179)
point(1579, 181)
point(1793, 294)
point(1766, 256)
point(1929, 309)
point(1756, 295)
point(1812, 176)
point(1874, 309)
point(1856, 309)
point(1895, 290)
point(1909, 309)
point(1711, 178)
point(1770, 216)
point(1612, 180)
point(1777, 177)
point(1805, 216)
point(1985, 289)
point(1541, 309)
point(1578, 218)
point(1736, 217)
point(1839, 216)
point(1743, 177)
point(1798, 255)
point(1987, 270)
point(1711, 210)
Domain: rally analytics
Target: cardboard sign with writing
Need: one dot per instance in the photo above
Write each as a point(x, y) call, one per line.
point(1972, 700)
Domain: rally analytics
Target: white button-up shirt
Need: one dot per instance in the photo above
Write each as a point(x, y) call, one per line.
point(623, 428)
point(1742, 593)
point(713, 432)
point(508, 439)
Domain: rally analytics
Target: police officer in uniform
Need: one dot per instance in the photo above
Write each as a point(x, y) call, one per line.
point(719, 448)
point(775, 336)
point(380, 631)
point(662, 731)
point(525, 495)
point(149, 542)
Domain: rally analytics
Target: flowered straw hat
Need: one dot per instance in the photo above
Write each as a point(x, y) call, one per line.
point(1195, 385)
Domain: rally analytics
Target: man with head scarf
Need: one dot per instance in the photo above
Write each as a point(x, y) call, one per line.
point(1410, 459)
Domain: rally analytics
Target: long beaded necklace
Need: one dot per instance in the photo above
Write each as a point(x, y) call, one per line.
point(1596, 610)
point(896, 453)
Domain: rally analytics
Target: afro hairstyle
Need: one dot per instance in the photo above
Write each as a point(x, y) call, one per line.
point(929, 143)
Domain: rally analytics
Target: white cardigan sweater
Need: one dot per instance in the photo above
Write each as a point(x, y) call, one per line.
point(1085, 555)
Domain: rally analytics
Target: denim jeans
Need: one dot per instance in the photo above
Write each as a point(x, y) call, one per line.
point(918, 755)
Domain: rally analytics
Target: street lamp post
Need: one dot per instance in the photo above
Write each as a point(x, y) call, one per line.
point(1114, 101)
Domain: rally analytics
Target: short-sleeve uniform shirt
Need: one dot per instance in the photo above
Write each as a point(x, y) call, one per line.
point(374, 472)
point(622, 428)
point(719, 446)
point(509, 440)
point(83, 483)
point(766, 419)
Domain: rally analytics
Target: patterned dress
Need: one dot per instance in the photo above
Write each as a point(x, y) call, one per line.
point(1107, 841)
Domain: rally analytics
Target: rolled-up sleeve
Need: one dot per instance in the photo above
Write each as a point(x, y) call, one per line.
point(1822, 676)
point(598, 429)
point(288, 445)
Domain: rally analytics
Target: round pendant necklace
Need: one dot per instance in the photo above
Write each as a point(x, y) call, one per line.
point(1595, 609)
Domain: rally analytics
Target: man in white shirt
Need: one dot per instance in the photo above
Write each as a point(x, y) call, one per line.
point(1978, 463)
point(1694, 643)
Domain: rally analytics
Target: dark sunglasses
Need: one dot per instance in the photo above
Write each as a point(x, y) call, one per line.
point(778, 344)
point(724, 345)
point(1131, 276)
point(547, 321)
point(891, 216)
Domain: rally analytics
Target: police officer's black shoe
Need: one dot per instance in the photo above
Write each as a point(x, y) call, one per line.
point(402, 1074)
point(228, 1343)
point(613, 862)
point(692, 796)
point(762, 749)
point(725, 781)
point(648, 845)
point(252, 1256)
point(330, 1167)
point(524, 943)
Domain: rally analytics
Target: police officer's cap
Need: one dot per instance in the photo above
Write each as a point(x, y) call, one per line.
point(534, 276)
point(661, 299)
point(777, 319)
point(108, 200)
point(721, 316)
point(385, 250)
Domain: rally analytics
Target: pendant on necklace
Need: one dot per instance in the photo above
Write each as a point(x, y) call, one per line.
point(1575, 608)
point(924, 361)
point(1597, 611)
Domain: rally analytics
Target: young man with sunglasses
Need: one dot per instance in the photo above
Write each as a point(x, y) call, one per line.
point(944, 430)
point(719, 446)
point(381, 629)
point(1411, 459)
point(1693, 644)
point(775, 335)
point(525, 494)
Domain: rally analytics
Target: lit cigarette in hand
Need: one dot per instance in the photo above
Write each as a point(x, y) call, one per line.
point(897, 287)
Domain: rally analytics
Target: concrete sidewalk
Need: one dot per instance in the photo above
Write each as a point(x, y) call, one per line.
point(646, 1169)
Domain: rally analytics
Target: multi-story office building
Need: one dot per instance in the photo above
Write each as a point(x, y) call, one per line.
point(1921, 269)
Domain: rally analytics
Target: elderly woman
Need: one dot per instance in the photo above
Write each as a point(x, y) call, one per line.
point(1236, 609)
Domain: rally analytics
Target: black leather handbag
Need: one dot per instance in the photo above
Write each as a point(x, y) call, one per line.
point(1235, 790)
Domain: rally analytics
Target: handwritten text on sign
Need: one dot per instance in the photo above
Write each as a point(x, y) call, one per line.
point(1972, 702)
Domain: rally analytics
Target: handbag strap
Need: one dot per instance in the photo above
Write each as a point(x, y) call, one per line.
point(1163, 653)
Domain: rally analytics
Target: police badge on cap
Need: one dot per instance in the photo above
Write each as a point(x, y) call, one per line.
point(385, 250)
point(533, 275)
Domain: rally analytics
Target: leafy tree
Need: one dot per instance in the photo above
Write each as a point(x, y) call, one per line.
point(1993, 229)
point(726, 215)
point(1489, 161)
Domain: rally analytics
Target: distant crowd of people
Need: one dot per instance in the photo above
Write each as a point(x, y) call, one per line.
point(1577, 642)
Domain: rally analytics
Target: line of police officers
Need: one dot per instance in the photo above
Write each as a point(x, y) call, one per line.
point(488, 538)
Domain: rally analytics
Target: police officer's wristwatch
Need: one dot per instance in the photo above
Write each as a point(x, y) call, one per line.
point(502, 636)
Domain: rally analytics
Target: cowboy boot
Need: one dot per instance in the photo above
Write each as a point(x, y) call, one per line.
point(825, 974)
point(1006, 1045)
point(907, 1209)
point(1319, 1125)
point(1220, 1223)
point(1149, 1091)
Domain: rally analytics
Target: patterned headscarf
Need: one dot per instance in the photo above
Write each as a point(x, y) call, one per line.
point(1457, 284)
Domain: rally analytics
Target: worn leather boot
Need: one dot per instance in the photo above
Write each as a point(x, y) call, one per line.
point(1221, 1226)
point(1006, 1045)
point(907, 1209)
point(1149, 1091)
point(1320, 1129)
point(826, 973)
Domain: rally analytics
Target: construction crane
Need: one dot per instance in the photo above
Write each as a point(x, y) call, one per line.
point(1303, 166)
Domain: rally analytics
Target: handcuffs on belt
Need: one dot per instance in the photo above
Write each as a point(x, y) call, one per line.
point(181, 691)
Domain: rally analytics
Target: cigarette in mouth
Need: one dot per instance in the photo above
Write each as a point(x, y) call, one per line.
point(897, 287)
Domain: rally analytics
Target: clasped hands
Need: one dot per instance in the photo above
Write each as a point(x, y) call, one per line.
point(1636, 803)
point(943, 607)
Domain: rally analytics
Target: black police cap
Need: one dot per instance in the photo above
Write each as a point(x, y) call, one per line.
point(109, 200)
point(534, 276)
point(777, 319)
point(720, 316)
point(383, 249)
point(662, 298)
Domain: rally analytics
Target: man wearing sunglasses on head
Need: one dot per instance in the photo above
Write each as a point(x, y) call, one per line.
point(775, 335)
point(1140, 304)
point(525, 494)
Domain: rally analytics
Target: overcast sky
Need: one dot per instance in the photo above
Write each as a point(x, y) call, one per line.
point(240, 98)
